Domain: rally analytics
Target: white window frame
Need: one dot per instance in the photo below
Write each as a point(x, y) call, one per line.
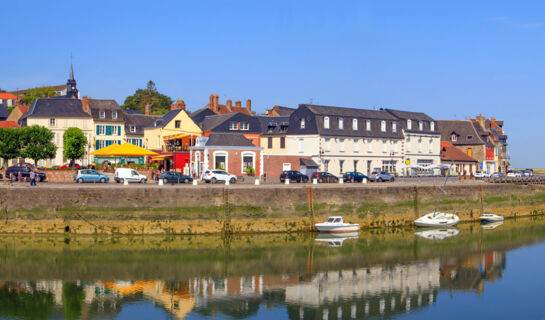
point(247, 153)
point(341, 145)
point(355, 124)
point(102, 114)
point(421, 125)
point(409, 124)
point(394, 126)
point(432, 126)
point(220, 153)
point(384, 146)
point(341, 124)
point(132, 128)
point(245, 125)
point(369, 141)
point(368, 125)
point(114, 114)
point(383, 126)
point(453, 137)
point(408, 144)
point(327, 144)
point(420, 145)
point(101, 130)
point(233, 125)
point(326, 122)
point(356, 146)
point(394, 146)
point(301, 145)
point(52, 122)
point(114, 130)
point(302, 123)
point(431, 146)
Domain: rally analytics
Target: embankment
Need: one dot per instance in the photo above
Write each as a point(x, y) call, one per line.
point(246, 209)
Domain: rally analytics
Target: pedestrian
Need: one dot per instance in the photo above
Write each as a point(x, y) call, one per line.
point(20, 175)
point(33, 178)
point(264, 176)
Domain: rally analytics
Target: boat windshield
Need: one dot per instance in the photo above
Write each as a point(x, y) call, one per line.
point(330, 220)
point(338, 220)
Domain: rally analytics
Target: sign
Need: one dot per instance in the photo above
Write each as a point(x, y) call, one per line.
point(407, 162)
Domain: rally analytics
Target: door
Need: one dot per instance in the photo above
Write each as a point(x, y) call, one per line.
point(134, 176)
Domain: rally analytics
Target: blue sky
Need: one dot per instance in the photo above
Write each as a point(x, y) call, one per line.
point(450, 59)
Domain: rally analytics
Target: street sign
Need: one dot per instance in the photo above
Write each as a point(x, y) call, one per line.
point(407, 162)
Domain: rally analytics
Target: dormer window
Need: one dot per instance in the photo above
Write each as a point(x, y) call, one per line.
point(421, 126)
point(132, 129)
point(432, 126)
point(302, 123)
point(454, 137)
point(409, 124)
point(355, 124)
point(326, 122)
point(244, 125)
point(394, 126)
point(114, 114)
point(341, 123)
point(232, 125)
point(102, 114)
point(383, 126)
point(469, 137)
point(368, 125)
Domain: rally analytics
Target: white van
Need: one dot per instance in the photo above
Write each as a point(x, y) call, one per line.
point(129, 174)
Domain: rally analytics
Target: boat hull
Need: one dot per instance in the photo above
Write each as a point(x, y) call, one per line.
point(490, 218)
point(332, 228)
point(437, 220)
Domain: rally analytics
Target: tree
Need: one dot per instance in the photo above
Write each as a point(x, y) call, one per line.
point(2, 90)
point(74, 142)
point(10, 143)
point(72, 300)
point(160, 103)
point(38, 92)
point(37, 143)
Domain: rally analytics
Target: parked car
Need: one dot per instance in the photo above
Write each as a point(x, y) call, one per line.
point(213, 176)
point(131, 175)
point(89, 175)
point(293, 175)
point(512, 173)
point(12, 173)
point(380, 176)
point(354, 177)
point(174, 177)
point(68, 166)
point(479, 174)
point(324, 177)
point(498, 174)
point(527, 172)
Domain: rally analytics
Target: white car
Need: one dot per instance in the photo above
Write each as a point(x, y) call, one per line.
point(514, 174)
point(131, 175)
point(213, 176)
point(481, 174)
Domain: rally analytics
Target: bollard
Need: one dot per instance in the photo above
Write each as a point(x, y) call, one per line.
point(287, 181)
point(160, 182)
point(195, 182)
point(226, 182)
point(364, 180)
point(256, 182)
point(125, 182)
point(341, 181)
point(314, 181)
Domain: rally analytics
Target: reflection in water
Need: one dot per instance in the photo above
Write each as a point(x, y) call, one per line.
point(375, 275)
point(437, 233)
point(336, 239)
point(491, 225)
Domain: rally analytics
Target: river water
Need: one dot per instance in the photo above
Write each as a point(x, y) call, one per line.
point(470, 271)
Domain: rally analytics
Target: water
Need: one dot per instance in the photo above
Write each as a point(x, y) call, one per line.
point(466, 272)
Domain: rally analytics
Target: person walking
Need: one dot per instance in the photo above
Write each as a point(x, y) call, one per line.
point(33, 178)
point(20, 175)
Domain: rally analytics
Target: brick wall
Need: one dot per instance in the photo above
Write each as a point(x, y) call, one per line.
point(234, 160)
point(274, 164)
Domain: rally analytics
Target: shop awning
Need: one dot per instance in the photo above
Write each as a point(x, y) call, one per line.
point(106, 151)
point(309, 163)
point(160, 157)
point(176, 136)
point(123, 150)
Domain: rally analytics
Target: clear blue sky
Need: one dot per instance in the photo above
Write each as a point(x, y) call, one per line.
point(450, 59)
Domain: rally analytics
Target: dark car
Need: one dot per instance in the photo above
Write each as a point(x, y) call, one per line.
point(323, 177)
point(381, 176)
point(294, 176)
point(13, 173)
point(175, 177)
point(354, 177)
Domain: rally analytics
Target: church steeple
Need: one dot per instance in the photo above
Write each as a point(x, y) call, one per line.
point(71, 90)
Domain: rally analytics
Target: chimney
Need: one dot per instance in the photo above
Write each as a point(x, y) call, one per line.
point(85, 103)
point(216, 102)
point(211, 102)
point(148, 109)
point(493, 123)
point(182, 104)
point(238, 104)
point(249, 105)
point(178, 105)
point(229, 104)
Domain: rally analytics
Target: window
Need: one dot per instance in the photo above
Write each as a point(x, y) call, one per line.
point(419, 145)
point(177, 124)
point(420, 125)
point(269, 142)
point(432, 126)
point(302, 124)
point(341, 164)
point(248, 162)
point(132, 128)
point(341, 123)
point(356, 146)
point(114, 114)
point(368, 145)
point(282, 142)
point(102, 114)
point(394, 145)
point(75, 123)
point(101, 129)
point(383, 126)
point(232, 125)
point(220, 160)
point(326, 165)
point(244, 125)
point(301, 145)
point(430, 146)
point(355, 165)
point(326, 122)
point(101, 144)
point(368, 125)
point(408, 144)
point(409, 124)
point(354, 124)
point(341, 145)
point(384, 146)
point(469, 137)
point(52, 122)
point(453, 137)
point(327, 144)
point(394, 126)
point(114, 130)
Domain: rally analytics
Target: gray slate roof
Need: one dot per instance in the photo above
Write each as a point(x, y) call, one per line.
point(60, 108)
point(210, 122)
point(3, 112)
point(464, 129)
point(228, 140)
point(284, 111)
point(164, 120)
point(140, 121)
point(415, 117)
point(108, 106)
point(350, 112)
point(199, 115)
point(274, 125)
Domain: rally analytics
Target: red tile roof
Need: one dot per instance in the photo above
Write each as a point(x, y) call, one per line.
point(9, 124)
point(452, 153)
point(7, 95)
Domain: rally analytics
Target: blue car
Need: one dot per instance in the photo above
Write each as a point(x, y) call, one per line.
point(89, 175)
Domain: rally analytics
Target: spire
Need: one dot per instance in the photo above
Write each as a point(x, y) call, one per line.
point(71, 90)
point(71, 77)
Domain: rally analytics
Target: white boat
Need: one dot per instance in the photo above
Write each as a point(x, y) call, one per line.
point(491, 225)
point(336, 240)
point(438, 234)
point(490, 217)
point(335, 224)
point(437, 219)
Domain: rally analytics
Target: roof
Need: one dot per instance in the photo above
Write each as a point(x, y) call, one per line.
point(199, 115)
point(273, 124)
point(61, 107)
point(228, 140)
point(131, 111)
point(7, 95)
point(4, 113)
point(140, 121)
point(405, 115)
point(108, 106)
point(308, 162)
point(9, 124)
point(59, 87)
point(464, 130)
point(282, 111)
point(210, 122)
point(164, 120)
point(452, 153)
point(349, 112)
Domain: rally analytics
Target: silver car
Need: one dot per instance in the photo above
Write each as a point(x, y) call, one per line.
point(380, 176)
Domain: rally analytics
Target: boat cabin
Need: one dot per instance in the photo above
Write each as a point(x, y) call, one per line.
point(335, 219)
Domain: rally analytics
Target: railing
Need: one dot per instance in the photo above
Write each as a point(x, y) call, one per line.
point(175, 148)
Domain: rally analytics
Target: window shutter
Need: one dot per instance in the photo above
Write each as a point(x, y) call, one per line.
point(118, 130)
point(118, 141)
point(96, 147)
point(140, 143)
point(98, 130)
point(108, 130)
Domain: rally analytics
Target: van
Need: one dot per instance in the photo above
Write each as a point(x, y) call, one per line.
point(131, 175)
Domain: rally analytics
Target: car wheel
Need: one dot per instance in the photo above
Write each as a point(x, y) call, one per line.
point(379, 180)
point(321, 180)
point(186, 180)
point(102, 180)
point(165, 180)
point(213, 180)
point(233, 180)
point(80, 180)
point(393, 179)
point(121, 180)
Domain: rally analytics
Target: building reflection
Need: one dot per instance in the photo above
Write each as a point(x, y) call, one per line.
point(377, 291)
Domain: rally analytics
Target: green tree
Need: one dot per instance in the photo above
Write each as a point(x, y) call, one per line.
point(160, 103)
point(10, 143)
point(2, 90)
point(38, 92)
point(72, 300)
point(37, 143)
point(74, 142)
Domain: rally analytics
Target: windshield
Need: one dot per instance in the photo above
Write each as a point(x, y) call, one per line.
point(330, 220)
point(338, 220)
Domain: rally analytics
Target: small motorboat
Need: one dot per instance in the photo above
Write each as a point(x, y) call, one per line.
point(488, 217)
point(336, 224)
point(336, 240)
point(437, 219)
point(438, 234)
point(491, 225)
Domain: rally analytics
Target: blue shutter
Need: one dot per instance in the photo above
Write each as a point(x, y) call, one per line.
point(119, 131)
point(118, 141)
point(140, 142)
point(98, 129)
point(108, 130)
point(96, 147)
